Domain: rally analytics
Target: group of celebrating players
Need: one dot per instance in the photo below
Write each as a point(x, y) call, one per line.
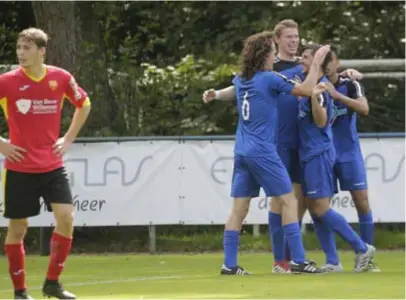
point(296, 132)
point(296, 137)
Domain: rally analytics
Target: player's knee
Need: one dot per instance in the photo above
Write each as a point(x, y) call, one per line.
point(238, 214)
point(17, 229)
point(297, 190)
point(303, 205)
point(275, 205)
point(241, 208)
point(241, 211)
point(319, 207)
point(288, 201)
point(361, 202)
point(65, 220)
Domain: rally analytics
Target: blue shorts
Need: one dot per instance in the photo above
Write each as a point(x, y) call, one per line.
point(290, 159)
point(351, 175)
point(252, 173)
point(318, 176)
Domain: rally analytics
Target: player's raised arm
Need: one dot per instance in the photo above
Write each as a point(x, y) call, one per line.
point(305, 88)
point(319, 103)
point(78, 97)
point(226, 94)
point(357, 100)
point(352, 74)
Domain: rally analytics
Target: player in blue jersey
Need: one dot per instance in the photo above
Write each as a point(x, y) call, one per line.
point(349, 100)
point(287, 63)
point(317, 157)
point(256, 161)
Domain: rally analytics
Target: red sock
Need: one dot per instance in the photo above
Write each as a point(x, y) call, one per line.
point(16, 255)
point(60, 248)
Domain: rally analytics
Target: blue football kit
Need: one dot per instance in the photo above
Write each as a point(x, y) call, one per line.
point(256, 161)
point(316, 149)
point(317, 157)
point(288, 105)
point(349, 167)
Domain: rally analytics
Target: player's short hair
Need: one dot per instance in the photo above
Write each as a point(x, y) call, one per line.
point(36, 35)
point(255, 52)
point(335, 49)
point(313, 48)
point(287, 23)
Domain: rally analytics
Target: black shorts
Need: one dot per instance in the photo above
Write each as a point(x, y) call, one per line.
point(22, 192)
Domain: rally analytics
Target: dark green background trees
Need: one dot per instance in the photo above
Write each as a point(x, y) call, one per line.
point(145, 64)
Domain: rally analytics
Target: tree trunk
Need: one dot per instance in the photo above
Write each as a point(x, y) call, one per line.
point(94, 68)
point(58, 20)
point(77, 45)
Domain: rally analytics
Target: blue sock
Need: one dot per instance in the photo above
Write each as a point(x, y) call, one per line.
point(276, 235)
point(231, 240)
point(287, 249)
point(336, 222)
point(294, 237)
point(327, 241)
point(366, 227)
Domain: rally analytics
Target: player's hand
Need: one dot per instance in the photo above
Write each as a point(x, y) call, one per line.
point(11, 152)
point(321, 54)
point(352, 74)
point(61, 146)
point(331, 90)
point(318, 89)
point(209, 95)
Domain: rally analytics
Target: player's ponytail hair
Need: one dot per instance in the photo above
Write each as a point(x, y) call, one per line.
point(257, 47)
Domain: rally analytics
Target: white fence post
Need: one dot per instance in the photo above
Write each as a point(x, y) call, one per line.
point(256, 230)
point(152, 238)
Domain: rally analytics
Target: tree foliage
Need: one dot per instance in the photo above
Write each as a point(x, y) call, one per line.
point(145, 64)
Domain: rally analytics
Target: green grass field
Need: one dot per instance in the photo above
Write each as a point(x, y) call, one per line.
point(197, 277)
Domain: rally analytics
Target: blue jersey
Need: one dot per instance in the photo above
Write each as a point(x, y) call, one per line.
point(312, 139)
point(257, 111)
point(345, 133)
point(288, 105)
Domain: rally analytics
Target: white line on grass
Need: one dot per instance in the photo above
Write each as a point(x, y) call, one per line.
point(151, 278)
point(30, 277)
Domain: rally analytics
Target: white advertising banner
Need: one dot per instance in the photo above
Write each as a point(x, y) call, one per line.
point(172, 182)
point(208, 173)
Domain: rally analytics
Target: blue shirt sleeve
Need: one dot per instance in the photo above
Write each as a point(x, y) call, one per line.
point(355, 89)
point(235, 79)
point(323, 99)
point(280, 83)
